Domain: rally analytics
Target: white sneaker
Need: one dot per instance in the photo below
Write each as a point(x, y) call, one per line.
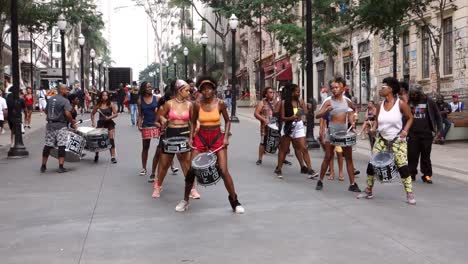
point(194, 194)
point(143, 172)
point(239, 209)
point(182, 206)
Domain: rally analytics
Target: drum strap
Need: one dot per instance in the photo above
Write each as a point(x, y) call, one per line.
point(205, 142)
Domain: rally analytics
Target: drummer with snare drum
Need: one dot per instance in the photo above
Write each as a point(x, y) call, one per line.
point(208, 111)
point(391, 137)
point(58, 111)
point(338, 106)
point(265, 112)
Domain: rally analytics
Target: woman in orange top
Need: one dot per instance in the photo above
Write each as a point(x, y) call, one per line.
point(207, 111)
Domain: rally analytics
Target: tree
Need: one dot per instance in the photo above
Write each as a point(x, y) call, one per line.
point(386, 18)
point(424, 10)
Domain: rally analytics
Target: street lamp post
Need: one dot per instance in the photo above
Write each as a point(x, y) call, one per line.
point(167, 70)
point(157, 74)
point(152, 75)
point(204, 42)
point(81, 41)
point(62, 24)
point(92, 54)
point(175, 67)
point(99, 61)
point(18, 150)
point(233, 22)
point(312, 143)
point(185, 62)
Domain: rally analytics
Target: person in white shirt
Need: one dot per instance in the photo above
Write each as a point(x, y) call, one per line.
point(42, 99)
point(3, 112)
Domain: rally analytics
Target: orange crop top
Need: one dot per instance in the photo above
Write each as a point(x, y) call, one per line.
point(212, 118)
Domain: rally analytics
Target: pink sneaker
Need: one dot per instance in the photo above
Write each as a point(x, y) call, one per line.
point(194, 194)
point(156, 192)
point(410, 198)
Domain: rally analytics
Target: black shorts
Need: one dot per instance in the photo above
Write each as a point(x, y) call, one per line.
point(29, 107)
point(11, 126)
point(109, 124)
point(174, 132)
point(1, 123)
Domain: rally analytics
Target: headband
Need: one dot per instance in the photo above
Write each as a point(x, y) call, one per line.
point(180, 84)
point(206, 81)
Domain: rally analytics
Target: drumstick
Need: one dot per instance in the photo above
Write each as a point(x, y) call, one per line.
point(216, 150)
point(349, 129)
point(184, 133)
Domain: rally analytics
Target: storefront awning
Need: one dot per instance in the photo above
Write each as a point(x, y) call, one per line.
point(285, 74)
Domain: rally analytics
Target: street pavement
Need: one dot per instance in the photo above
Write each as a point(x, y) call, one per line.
point(104, 213)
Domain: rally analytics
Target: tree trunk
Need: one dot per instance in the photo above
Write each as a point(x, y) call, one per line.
point(437, 65)
point(225, 76)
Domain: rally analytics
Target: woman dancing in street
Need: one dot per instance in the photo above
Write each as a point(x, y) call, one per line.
point(175, 116)
point(292, 110)
point(29, 102)
point(107, 112)
point(391, 133)
point(208, 111)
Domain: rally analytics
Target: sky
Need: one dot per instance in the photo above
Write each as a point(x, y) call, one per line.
point(129, 34)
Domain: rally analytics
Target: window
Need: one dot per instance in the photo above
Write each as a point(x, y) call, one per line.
point(448, 46)
point(425, 52)
point(57, 47)
point(406, 53)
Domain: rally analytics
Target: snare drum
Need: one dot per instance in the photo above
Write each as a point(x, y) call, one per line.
point(272, 139)
point(384, 167)
point(73, 148)
point(175, 145)
point(97, 139)
point(204, 167)
point(150, 132)
point(343, 138)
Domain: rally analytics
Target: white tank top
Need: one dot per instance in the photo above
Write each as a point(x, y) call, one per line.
point(391, 122)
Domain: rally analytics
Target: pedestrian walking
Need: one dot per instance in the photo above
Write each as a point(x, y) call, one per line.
point(292, 111)
point(228, 97)
point(133, 101)
point(42, 99)
point(11, 118)
point(392, 137)
point(58, 113)
point(29, 103)
point(107, 112)
point(209, 137)
point(3, 112)
point(427, 122)
point(120, 96)
point(338, 107)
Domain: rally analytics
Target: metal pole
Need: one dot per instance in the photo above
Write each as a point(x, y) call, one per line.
point(32, 73)
point(175, 71)
point(312, 143)
point(260, 68)
point(186, 69)
point(51, 47)
point(234, 118)
point(64, 69)
point(105, 78)
point(99, 76)
point(167, 72)
point(18, 150)
point(82, 70)
point(92, 72)
point(204, 59)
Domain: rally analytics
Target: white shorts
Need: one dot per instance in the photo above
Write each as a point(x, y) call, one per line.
point(42, 103)
point(298, 130)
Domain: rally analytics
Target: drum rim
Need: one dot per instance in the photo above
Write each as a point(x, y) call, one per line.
point(388, 163)
point(347, 135)
point(213, 162)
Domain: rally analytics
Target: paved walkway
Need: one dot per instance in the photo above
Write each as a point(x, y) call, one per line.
point(103, 213)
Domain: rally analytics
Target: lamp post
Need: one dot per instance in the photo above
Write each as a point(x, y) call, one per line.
point(92, 54)
point(99, 61)
point(62, 24)
point(175, 67)
point(104, 83)
point(81, 41)
point(312, 143)
point(18, 150)
point(185, 58)
point(157, 74)
point(233, 22)
point(204, 42)
point(152, 75)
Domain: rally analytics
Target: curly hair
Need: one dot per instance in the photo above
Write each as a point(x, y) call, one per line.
point(393, 83)
point(288, 106)
point(101, 102)
point(206, 79)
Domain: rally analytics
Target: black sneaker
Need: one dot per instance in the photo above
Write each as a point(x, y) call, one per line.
point(113, 160)
point(151, 178)
point(287, 162)
point(278, 173)
point(413, 177)
point(312, 174)
point(354, 188)
point(356, 172)
point(426, 179)
point(327, 173)
point(259, 162)
point(304, 170)
point(96, 158)
point(43, 168)
point(319, 186)
point(62, 170)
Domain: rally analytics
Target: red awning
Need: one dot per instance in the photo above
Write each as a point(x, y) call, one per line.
point(285, 74)
point(269, 68)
